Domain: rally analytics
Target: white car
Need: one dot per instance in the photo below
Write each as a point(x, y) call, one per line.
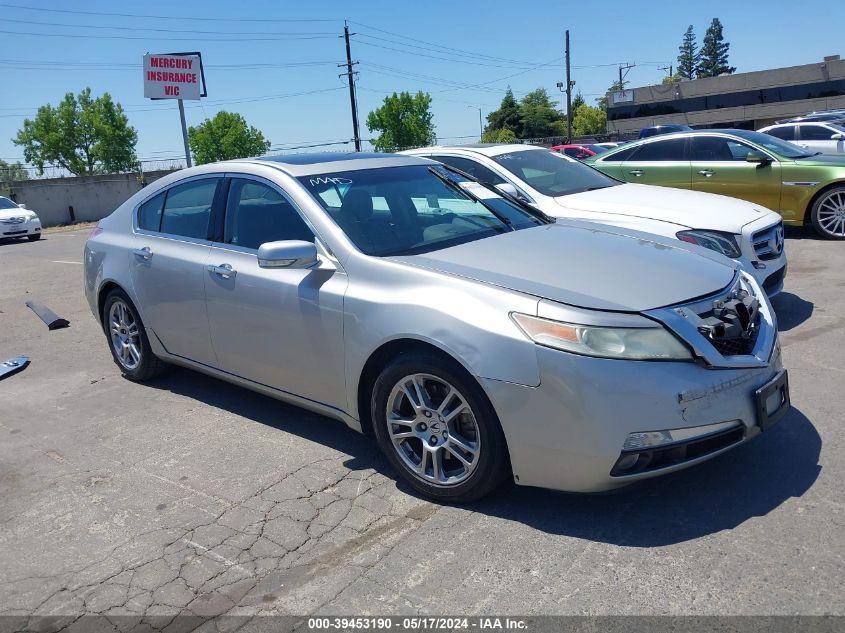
point(819, 136)
point(18, 221)
point(565, 188)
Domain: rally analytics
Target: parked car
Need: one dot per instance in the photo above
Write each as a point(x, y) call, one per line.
point(565, 188)
point(824, 137)
point(803, 186)
point(474, 337)
point(579, 151)
point(834, 116)
point(16, 221)
point(657, 130)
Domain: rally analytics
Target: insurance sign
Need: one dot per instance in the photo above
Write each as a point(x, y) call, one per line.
point(172, 76)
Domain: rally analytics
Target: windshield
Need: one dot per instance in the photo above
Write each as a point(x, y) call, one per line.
point(773, 144)
point(598, 149)
point(5, 203)
point(551, 174)
point(413, 209)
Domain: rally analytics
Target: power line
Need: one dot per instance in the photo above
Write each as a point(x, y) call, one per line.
point(192, 18)
point(171, 39)
point(159, 30)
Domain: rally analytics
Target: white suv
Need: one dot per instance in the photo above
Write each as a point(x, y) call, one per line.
point(565, 188)
point(821, 136)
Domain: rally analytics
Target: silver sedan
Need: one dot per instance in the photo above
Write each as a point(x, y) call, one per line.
point(473, 337)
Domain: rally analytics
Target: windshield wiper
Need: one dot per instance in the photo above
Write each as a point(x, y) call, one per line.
point(457, 188)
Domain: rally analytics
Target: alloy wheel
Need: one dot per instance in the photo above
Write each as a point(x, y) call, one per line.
point(124, 335)
point(831, 213)
point(433, 430)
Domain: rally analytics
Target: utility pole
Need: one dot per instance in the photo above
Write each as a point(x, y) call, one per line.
point(569, 84)
point(351, 79)
point(480, 124)
point(667, 68)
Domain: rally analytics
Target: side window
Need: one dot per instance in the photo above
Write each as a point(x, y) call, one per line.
point(574, 152)
point(149, 213)
point(619, 156)
point(786, 133)
point(668, 150)
point(714, 149)
point(257, 213)
point(187, 209)
point(815, 133)
point(474, 169)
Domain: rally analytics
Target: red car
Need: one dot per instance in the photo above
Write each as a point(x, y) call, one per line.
point(579, 151)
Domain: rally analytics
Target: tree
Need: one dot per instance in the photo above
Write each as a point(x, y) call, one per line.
point(506, 117)
point(9, 173)
point(577, 102)
point(82, 135)
point(714, 52)
point(672, 79)
point(689, 56)
point(225, 137)
point(588, 121)
point(498, 136)
point(538, 114)
point(402, 121)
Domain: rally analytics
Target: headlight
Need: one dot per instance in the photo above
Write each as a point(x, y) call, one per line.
point(724, 243)
point(651, 343)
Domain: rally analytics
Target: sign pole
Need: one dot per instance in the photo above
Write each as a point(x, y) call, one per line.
point(184, 133)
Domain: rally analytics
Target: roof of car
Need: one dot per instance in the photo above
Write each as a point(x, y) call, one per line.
point(325, 162)
point(486, 149)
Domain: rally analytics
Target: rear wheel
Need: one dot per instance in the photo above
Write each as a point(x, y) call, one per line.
point(128, 341)
point(438, 429)
point(828, 214)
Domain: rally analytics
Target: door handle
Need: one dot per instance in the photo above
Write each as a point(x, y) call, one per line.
point(706, 173)
point(636, 172)
point(223, 270)
point(144, 253)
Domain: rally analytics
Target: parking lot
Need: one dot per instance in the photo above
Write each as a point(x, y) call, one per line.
point(192, 494)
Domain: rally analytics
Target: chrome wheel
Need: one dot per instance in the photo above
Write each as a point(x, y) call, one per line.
point(124, 335)
point(831, 213)
point(433, 430)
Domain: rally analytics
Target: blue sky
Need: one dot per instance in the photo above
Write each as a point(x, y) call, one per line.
point(261, 57)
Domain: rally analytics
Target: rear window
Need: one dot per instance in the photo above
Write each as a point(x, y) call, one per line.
point(187, 209)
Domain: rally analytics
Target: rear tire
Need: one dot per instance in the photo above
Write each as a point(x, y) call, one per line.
point(443, 437)
point(127, 338)
point(34, 238)
point(827, 214)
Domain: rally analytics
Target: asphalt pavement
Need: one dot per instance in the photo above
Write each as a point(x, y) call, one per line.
point(191, 495)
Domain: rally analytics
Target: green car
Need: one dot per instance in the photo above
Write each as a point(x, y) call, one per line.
point(804, 187)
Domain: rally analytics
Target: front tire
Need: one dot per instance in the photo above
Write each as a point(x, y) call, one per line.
point(34, 238)
point(828, 214)
point(438, 429)
point(130, 348)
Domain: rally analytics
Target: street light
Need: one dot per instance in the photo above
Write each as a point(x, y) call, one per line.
point(480, 124)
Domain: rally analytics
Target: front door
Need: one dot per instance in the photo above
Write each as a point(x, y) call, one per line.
point(168, 267)
point(719, 165)
point(659, 162)
point(819, 138)
point(275, 326)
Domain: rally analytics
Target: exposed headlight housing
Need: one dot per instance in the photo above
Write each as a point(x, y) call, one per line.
point(648, 343)
point(721, 242)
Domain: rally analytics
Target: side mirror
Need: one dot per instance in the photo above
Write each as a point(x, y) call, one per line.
point(508, 188)
point(838, 137)
point(22, 205)
point(758, 157)
point(288, 254)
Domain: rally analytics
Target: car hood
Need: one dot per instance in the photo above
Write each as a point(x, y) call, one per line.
point(688, 209)
point(822, 160)
point(14, 213)
point(587, 265)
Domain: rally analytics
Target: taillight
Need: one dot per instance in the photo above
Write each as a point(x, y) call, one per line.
point(97, 230)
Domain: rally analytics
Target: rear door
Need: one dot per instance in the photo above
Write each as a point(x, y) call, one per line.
point(167, 263)
point(719, 166)
point(663, 161)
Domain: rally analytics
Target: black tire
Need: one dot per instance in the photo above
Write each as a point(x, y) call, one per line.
point(149, 365)
point(838, 193)
point(34, 238)
point(493, 462)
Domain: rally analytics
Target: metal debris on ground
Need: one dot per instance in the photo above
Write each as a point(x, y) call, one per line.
point(53, 321)
point(12, 366)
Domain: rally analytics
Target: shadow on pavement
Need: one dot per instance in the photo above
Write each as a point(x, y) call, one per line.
point(749, 481)
point(791, 310)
